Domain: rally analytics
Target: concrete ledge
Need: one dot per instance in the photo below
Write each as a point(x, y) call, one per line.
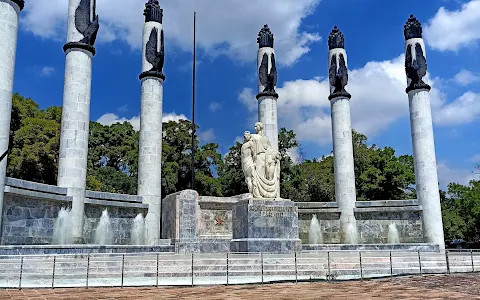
point(81, 249)
point(34, 186)
point(312, 205)
point(115, 203)
point(35, 194)
point(414, 247)
point(318, 211)
point(387, 203)
point(217, 203)
point(114, 197)
point(388, 209)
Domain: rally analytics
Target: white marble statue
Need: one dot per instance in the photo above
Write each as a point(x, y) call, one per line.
point(260, 164)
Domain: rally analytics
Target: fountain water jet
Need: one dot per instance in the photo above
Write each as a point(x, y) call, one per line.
point(393, 236)
point(351, 236)
point(103, 232)
point(315, 233)
point(138, 231)
point(62, 229)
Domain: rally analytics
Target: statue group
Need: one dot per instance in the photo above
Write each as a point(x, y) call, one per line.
point(260, 164)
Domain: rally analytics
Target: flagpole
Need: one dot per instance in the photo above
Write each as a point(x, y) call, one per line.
point(193, 99)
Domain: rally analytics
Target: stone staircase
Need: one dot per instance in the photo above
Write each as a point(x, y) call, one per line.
point(141, 269)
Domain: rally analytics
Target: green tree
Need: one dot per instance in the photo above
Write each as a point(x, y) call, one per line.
point(379, 174)
point(112, 158)
point(461, 211)
point(315, 181)
point(34, 141)
point(231, 174)
point(177, 157)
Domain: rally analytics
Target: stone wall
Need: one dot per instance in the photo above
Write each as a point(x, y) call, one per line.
point(30, 210)
point(373, 220)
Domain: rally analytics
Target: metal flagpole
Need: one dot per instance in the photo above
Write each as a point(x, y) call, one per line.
point(193, 100)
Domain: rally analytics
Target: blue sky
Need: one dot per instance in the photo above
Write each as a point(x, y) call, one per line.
point(226, 68)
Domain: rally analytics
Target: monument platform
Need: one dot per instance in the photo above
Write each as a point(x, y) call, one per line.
point(265, 225)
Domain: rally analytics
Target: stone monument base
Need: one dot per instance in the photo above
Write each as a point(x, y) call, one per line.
point(265, 225)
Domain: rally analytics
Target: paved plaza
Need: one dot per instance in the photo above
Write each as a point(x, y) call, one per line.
point(464, 286)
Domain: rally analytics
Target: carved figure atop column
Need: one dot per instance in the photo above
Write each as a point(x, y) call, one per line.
point(415, 60)
point(86, 27)
point(260, 164)
point(337, 72)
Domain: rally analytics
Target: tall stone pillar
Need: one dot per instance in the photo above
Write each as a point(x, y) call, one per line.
point(9, 14)
point(345, 193)
point(422, 133)
point(267, 80)
point(150, 152)
point(267, 97)
point(82, 31)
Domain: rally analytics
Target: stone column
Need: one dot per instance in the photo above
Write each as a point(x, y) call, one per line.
point(345, 192)
point(422, 133)
point(9, 14)
point(267, 80)
point(150, 151)
point(79, 50)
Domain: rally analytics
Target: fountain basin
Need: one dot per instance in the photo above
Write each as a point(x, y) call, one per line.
point(413, 247)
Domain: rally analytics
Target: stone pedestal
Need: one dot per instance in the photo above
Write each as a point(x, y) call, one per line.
point(179, 220)
point(265, 225)
point(9, 15)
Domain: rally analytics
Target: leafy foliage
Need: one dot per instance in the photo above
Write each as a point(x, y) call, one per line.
point(461, 211)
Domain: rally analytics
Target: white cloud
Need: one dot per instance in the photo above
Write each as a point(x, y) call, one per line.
point(47, 71)
point(110, 118)
point(466, 77)
point(475, 158)
point(173, 117)
point(447, 174)
point(378, 100)
point(214, 106)
point(219, 31)
point(464, 109)
point(206, 136)
point(294, 154)
point(247, 97)
point(453, 30)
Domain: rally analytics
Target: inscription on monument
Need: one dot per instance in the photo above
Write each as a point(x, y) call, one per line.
point(273, 211)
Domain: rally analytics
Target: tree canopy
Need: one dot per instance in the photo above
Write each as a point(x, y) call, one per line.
point(380, 174)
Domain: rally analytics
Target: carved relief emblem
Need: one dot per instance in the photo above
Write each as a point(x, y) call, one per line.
point(218, 220)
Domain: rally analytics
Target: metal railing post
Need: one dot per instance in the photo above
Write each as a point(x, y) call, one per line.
point(227, 268)
point(328, 265)
point(361, 268)
point(261, 263)
point(157, 272)
point(419, 262)
point(88, 269)
point(296, 268)
point(123, 268)
point(53, 272)
point(192, 269)
point(447, 261)
point(391, 265)
point(21, 273)
point(471, 256)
